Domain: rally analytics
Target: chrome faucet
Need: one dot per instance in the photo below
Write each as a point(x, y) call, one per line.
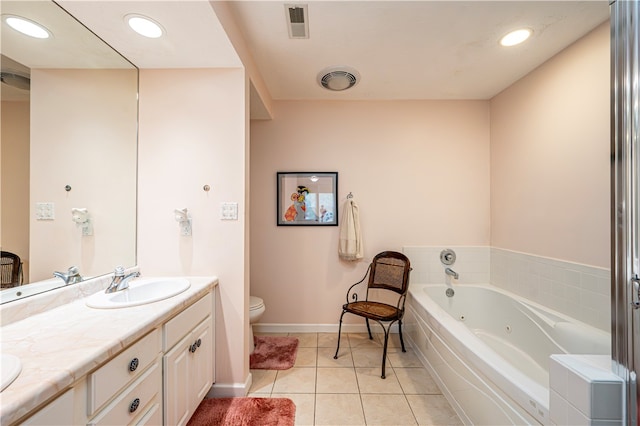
point(120, 280)
point(71, 277)
point(451, 272)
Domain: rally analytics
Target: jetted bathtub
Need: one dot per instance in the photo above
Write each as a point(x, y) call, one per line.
point(489, 349)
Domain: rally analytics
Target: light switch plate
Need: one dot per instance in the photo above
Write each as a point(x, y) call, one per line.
point(229, 211)
point(45, 211)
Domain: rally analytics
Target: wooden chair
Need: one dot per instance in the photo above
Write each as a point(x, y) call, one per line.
point(10, 270)
point(389, 272)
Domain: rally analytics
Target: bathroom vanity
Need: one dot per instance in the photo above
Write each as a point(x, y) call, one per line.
point(148, 365)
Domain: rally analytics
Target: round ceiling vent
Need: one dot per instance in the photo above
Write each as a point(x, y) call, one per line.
point(338, 78)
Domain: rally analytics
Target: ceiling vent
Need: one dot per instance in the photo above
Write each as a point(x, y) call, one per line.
point(15, 80)
point(338, 78)
point(297, 20)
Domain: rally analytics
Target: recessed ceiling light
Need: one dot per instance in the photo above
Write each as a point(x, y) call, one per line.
point(27, 27)
point(144, 26)
point(516, 37)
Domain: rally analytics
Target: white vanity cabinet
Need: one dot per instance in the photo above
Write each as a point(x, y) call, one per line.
point(124, 389)
point(188, 361)
point(60, 411)
point(159, 379)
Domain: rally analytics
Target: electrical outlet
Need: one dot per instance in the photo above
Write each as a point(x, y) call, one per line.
point(229, 211)
point(45, 211)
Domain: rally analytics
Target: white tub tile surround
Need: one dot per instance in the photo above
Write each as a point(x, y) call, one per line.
point(579, 291)
point(472, 263)
point(584, 391)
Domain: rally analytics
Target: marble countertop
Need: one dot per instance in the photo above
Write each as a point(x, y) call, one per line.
point(61, 345)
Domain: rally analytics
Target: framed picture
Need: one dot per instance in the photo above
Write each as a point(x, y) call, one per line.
point(307, 198)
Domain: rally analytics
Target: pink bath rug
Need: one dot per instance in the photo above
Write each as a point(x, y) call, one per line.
point(244, 412)
point(274, 353)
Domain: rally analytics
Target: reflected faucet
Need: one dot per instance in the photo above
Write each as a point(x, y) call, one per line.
point(71, 277)
point(120, 280)
point(452, 273)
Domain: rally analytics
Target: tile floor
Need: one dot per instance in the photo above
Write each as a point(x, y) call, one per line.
point(349, 390)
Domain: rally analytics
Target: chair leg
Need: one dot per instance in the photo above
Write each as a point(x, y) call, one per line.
point(339, 332)
point(400, 332)
point(384, 351)
point(369, 329)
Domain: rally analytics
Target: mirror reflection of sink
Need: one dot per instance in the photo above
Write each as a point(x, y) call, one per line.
point(140, 292)
point(10, 367)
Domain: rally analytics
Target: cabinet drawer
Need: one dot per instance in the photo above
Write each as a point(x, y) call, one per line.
point(153, 416)
point(134, 400)
point(176, 328)
point(106, 381)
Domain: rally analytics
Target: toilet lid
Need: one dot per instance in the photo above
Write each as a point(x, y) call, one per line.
point(255, 303)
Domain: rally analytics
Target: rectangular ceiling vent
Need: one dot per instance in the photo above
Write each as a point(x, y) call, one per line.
point(297, 20)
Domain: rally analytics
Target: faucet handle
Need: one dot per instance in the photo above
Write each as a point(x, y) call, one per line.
point(119, 271)
point(73, 270)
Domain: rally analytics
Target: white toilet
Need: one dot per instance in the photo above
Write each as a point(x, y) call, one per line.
point(256, 310)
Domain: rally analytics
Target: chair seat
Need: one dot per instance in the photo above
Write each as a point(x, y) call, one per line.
point(374, 310)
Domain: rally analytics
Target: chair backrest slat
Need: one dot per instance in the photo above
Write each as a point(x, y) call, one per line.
point(9, 269)
point(390, 271)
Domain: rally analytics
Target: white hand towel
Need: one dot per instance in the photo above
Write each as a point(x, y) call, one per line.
point(350, 243)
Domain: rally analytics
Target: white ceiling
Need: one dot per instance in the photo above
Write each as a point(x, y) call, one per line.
point(402, 49)
point(411, 49)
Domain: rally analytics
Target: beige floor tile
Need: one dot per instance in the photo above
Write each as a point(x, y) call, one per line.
point(369, 381)
point(262, 381)
point(306, 357)
point(394, 340)
point(339, 410)
point(336, 380)
point(361, 340)
point(416, 381)
point(306, 340)
point(387, 410)
point(368, 357)
point(433, 410)
point(330, 340)
point(325, 358)
point(404, 359)
point(305, 406)
point(295, 380)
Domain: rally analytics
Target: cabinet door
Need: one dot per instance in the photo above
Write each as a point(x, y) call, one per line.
point(201, 369)
point(177, 383)
point(188, 374)
point(57, 412)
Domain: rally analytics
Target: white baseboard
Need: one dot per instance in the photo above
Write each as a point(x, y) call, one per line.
point(230, 390)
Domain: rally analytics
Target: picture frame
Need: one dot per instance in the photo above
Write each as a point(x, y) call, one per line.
point(307, 198)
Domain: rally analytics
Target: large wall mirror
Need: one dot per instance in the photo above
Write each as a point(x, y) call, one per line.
point(68, 150)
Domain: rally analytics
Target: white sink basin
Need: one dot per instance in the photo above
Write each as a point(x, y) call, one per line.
point(10, 366)
point(140, 292)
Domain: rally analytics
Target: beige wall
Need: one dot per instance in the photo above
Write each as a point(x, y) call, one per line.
point(550, 157)
point(94, 153)
point(14, 229)
point(193, 133)
point(419, 171)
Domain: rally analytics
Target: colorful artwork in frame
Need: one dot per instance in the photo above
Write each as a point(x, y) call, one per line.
point(307, 198)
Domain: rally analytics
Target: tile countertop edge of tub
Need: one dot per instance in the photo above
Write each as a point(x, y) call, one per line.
point(59, 346)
